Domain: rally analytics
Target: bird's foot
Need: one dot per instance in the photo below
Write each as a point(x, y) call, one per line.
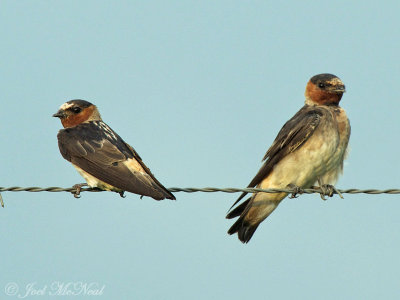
point(296, 190)
point(328, 190)
point(78, 188)
point(122, 194)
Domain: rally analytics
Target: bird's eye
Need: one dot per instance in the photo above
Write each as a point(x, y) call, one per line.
point(321, 85)
point(76, 110)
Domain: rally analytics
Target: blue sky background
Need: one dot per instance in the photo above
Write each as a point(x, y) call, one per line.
point(200, 89)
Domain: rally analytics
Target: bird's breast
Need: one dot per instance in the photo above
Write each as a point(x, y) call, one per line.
point(321, 155)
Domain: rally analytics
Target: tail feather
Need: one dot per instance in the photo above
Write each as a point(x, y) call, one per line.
point(244, 230)
point(238, 210)
point(251, 213)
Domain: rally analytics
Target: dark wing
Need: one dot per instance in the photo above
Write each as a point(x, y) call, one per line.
point(291, 137)
point(148, 172)
point(97, 149)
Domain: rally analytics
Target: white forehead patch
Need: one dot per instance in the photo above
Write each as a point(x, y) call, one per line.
point(335, 81)
point(66, 105)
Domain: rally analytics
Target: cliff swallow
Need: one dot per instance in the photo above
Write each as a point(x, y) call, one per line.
point(101, 156)
point(309, 148)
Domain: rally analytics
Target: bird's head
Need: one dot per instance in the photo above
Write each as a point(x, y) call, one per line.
point(75, 112)
point(324, 89)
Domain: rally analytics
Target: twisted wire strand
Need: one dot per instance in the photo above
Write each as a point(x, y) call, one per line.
point(209, 190)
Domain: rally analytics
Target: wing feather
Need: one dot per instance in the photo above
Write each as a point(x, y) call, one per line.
point(108, 158)
point(290, 138)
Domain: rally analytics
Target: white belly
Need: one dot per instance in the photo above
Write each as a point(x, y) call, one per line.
point(320, 157)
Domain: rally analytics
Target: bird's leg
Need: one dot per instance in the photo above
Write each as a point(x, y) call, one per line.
point(327, 190)
point(296, 190)
point(122, 194)
point(1, 201)
point(78, 188)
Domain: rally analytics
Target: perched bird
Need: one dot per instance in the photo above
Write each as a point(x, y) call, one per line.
point(309, 148)
point(101, 156)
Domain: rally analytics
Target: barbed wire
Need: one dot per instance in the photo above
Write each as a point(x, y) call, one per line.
point(317, 190)
point(294, 191)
